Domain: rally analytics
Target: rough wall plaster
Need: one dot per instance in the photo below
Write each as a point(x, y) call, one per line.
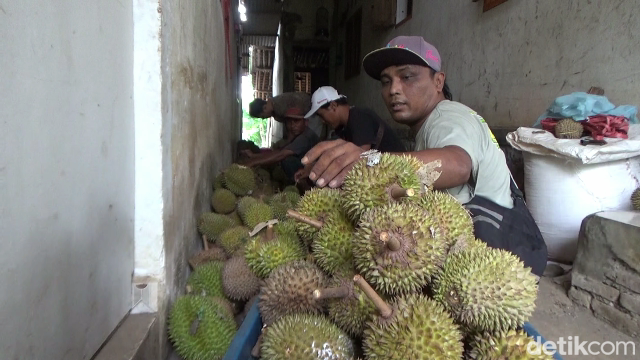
point(66, 175)
point(200, 126)
point(511, 62)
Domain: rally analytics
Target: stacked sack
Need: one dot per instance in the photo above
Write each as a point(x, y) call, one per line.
point(382, 268)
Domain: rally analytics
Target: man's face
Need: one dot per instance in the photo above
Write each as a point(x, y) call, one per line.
point(296, 126)
point(410, 92)
point(330, 116)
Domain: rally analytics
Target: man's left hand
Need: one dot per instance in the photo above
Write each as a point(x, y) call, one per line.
point(334, 159)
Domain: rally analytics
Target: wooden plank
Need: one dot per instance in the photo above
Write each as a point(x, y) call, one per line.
point(490, 4)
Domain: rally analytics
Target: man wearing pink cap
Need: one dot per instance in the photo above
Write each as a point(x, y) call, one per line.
point(474, 169)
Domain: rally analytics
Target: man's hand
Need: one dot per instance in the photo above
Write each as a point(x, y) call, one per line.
point(333, 160)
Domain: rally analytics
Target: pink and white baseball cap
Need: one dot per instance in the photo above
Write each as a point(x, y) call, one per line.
point(323, 95)
point(402, 50)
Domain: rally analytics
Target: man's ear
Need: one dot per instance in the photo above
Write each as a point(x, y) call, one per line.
point(439, 79)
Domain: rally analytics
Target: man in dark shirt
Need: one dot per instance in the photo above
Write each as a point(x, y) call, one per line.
point(360, 126)
point(290, 155)
point(277, 106)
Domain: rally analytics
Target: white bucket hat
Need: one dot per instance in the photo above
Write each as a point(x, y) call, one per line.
point(323, 95)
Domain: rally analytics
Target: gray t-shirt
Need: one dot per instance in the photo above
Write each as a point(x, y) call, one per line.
point(303, 142)
point(453, 123)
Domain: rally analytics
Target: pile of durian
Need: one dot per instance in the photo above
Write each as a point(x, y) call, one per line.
point(383, 268)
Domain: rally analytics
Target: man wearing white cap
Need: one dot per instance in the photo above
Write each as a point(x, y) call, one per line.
point(474, 169)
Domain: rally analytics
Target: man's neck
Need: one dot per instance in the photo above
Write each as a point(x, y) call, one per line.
point(415, 128)
point(343, 113)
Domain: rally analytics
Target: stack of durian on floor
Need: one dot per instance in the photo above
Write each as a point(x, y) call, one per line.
point(383, 268)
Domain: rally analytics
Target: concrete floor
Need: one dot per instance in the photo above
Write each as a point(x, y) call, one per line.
point(557, 316)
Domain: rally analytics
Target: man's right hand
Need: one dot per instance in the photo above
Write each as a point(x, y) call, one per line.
point(333, 160)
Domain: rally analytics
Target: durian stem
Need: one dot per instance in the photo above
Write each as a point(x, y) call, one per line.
point(205, 242)
point(255, 352)
point(397, 192)
point(393, 244)
point(305, 219)
point(381, 305)
point(269, 232)
point(330, 293)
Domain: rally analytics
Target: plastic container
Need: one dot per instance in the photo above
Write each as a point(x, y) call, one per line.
point(249, 331)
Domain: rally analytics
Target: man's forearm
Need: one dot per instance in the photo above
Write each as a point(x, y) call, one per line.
point(271, 158)
point(456, 165)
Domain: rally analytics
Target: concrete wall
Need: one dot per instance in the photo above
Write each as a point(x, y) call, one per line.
point(193, 134)
point(66, 175)
point(307, 10)
point(511, 62)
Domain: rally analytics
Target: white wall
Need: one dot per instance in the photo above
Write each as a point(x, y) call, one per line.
point(511, 62)
point(66, 175)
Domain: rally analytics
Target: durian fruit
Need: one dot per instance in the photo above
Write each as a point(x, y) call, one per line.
point(235, 217)
point(318, 204)
point(398, 248)
point(210, 253)
point(454, 220)
point(392, 179)
point(256, 214)
point(466, 244)
point(247, 306)
point(239, 179)
point(225, 304)
point(233, 239)
point(515, 344)
point(206, 279)
point(568, 129)
point(281, 202)
point(264, 255)
point(635, 199)
point(238, 281)
point(223, 201)
point(289, 289)
point(486, 289)
point(306, 336)
point(347, 304)
point(278, 174)
point(199, 328)
point(244, 203)
point(218, 182)
point(263, 177)
point(212, 225)
point(287, 229)
point(418, 328)
point(332, 247)
point(291, 188)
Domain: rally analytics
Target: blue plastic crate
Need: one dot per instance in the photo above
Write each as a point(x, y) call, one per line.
point(249, 331)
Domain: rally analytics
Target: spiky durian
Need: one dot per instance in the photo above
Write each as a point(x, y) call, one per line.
point(454, 220)
point(332, 248)
point(466, 244)
point(282, 202)
point(318, 204)
point(306, 336)
point(418, 328)
point(213, 253)
point(212, 225)
point(348, 306)
point(225, 304)
point(515, 344)
point(366, 187)
point(278, 174)
point(238, 281)
point(206, 279)
point(263, 177)
point(289, 289)
point(263, 256)
point(244, 203)
point(256, 214)
point(635, 199)
point(218, 182)
point(398, 247)
point(239, 179)
point(486, 289)
point(200, 328)
point(233, 239)
point(223, 201)
point(291, 188)
point(235, 217)
point(286, 228)
point(568, 129)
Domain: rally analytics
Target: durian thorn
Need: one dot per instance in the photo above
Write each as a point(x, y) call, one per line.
point(255, 352)
point(330, 293)
point(397, 192)
point(392, 243)
point(381, 305)
point(269, 232)
point(205, 242)
point(305, 219)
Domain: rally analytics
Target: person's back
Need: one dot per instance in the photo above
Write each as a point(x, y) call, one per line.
point(364, 125)
point(453, 123)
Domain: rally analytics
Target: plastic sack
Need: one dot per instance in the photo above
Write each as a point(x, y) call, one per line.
point(541, 142)
point(561, 192)
point(580, 105)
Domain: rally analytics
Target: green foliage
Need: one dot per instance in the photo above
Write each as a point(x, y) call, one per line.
point(254, 129)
